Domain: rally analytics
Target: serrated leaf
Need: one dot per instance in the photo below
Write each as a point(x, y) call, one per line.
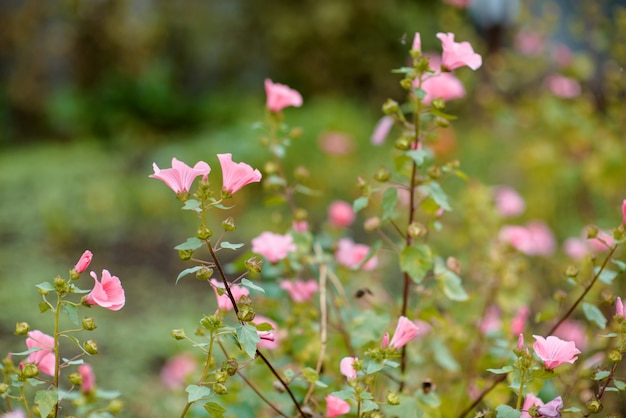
point(195, 393)
point(390, 202)
point(71, 311)
point(503, 370)
point(310, 375)
point(46, 400)
point(367, 405)
point(360, 203)
point(45, 286)
point(247, 283)
point(449, 282)
point(187, 271)
point(215, 410)
point(505, 411)
point(192, 204)
point(248, 338)
point(227, 245)
point(601, 374)
point(192, 243)
point(416, 260)
point(593, 314)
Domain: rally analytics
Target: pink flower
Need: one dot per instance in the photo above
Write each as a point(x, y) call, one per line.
point(223, 301)
point(280, 96)
point(508, 202)
point(562, 86)
point(381, 130)
point(405, 332)
point(180, 177)
point(336, 143)
point(533, 239)
point(528, 42)
point(491, 322)
point(552, 409)
point(269, 339)
point(417, 42)
point(336, 406)
point(300, 226)
point(176, 370)
point(341, 214)
point(554, 351)
point(602, 242)
point(18, 413)
point(443, 86)
point(274, 247)
point(619, 308)
point(520, 342)
point(519, 321)
point(300, 290)
point(624, 212)
point(530, 401)
point(571, 330)
point(385, 341)
point(457, 54)
point(83, 262)
point(107, 293)
point(44, 358)
point(346, 366)
point(350, 255)
point(88, 376)
point(576, 248)
point(236, 175)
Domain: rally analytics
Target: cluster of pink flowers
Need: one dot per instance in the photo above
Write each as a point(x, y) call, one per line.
point(274, 247)
point(300, 290)
point(533, 239)
point(554, 351)
point(351, 255)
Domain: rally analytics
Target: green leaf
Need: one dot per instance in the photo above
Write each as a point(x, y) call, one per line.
point(344, 394)
point(360, 203)
point(46, 399)
point(72, 312)
point(420, 156)
point(310, 375)
point(503, 370)
point(607, 276)
point(192, 204)
point(593, 314)
point(619, 385)
point(390, 202)
point(195, 393)
point(374, 366)
point(191, 244)
point(367, 405)
point(438, 195)
point(107, 394)
point(443, 357)
point(215, 410)
point(307, 191)
point(227, 245)
point(416, 261)
point(248, 338)
point(187, 271)
point(46, 287)
point(264, 326)
point(601, 375)
point(449, 282)
point(441, 114)
point(505, 411)
point(620, 265)
point(571, 409)
point(247, 283)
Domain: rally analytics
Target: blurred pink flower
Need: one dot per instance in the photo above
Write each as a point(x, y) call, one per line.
point(346, 367)
point(300, 290)
point(530, 401)
point(562, 86)
point(519, 321)
point(336, 143)
point(462, 4)
point(602, 242)
point(552, 409)
point(180, 177)
point(619, 307)
point(457, 54)
point(571, 330)
point(88, 377)
point(417, 42)
point(554, 351)
point(280, 96)
point(341, 214)
point(176, 370)
point(223, 301)
point(274, 247)
point(443, 86)
point(384, 343)
point(576, 248)
point(300, 226)
point(44, 358)
point(106, 293)
point(533, 239)
point(520, 342)
point(405, 332)
point(236, 175)
point(336, 406)
point(624, 212)
point(529, 42)
point(381, 130)
point(18, 413)
point(350, 255)
point(269, 339)
point(562, 55)
point(509, 203)
point(491, 322)
point(83, 262)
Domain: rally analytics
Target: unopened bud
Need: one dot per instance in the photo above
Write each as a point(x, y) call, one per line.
point(615, 356)
point(75, 379)
point(392, 398)
point(416, 230)
point(254, 264)
point(30, 370)
point(185, 255)
point(228, 224)
point(3, 388)
point(571, 271)
point(22, 328)
point(300, 215)
point(60, 285)
point(592, 231)
point(403, 143)
point(594, 406)
point(382, 175)
point(211, 322)
point(89, 324)
point(178, 334)
point(204, 233)
point(372, 224)
point(115, 406)
point(43, 307)
point(434, 172)
point(91, 347)
point(221, 376)
point(220, 388)
point(204, 273)
point(302, 173)
point(246, 314)
point(230, 366)
point(438, 104)
point(406, 83)
point(453, 265)
point(390, 107)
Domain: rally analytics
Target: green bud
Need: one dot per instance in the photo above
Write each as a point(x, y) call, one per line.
point(204, 273)
point(183, 196)
point(115, 406)
point(221, 376)
point(300, 215)
point(230, 366)
point(301, 173)
point(220, 388)
point(91, 347)
point(254, 264)
point(615, 356)
point(75, 379)
point(246, 314)
point(211, 322)
point(438, 104)
point(434, 172)
point(43, 307)
point(60, 285)
point(3, 388)
point(382, 175)
point(22, 328)
point(406, 83)
point(592, 231)
point(185, 254)
point(204, 233)
point(200, 331)
point(30, 370)
point(228, 224)
point(594, 406)
point(390, 107)
point(416, 230)
point(392, 398)
point(178, 334)
point(403, 144)
point(571, 271)
point(442, 122)
point(270, 167)
point(89, 324)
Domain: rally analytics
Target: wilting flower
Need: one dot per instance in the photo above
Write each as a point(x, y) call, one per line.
point(236, 175)
point(554, 351)
point(562, 86)
point(346, 366)
point(552, 409)
point(351, 255)
point(269, 339)
point(336, 406)
point(405, 332)
point(83, 262)
point(180, 177)
point(508, 202)
point(341, 214)
point(530, 401)
point(274, 247)
point(223, 301)
point(44, 358)
point(280, 96)
point(106, 293)
point(458, 54)
point(381, 130)
point(300, 290)
point(176, 370)
point(88, 378)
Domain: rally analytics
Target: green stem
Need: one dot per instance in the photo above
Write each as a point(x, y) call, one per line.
point(520, 395)
point(30, 414)
point(57, 356)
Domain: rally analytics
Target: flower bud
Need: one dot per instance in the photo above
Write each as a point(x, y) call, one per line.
point(91, 347)
point(60, 285)
point(200, 331)
point(89, 324)
point(301, 173)
point(300, 215)
point(571, 271)
point(438, 104)
point(615, 356)
point(594, 406)
point(43, 307)
point(406, 83)
point(442, 122)
point(372, 224)
point(221, 376)
point(75, 379)
point(416, 230)
point(228, 224)
point(211, 322)
point(220, 388)
point(254, 264)
point(246, 314)
point(382, 175)
point(29, 370)
point(115, 406)
point(392, 398)
point(22, 328)
point(204, 273)
point(185, 255)
point(434, 172)
point(270, 167)
point(230, 366)
point(453, 265)
point(403, 143)
point(203, 232)
point(592, 232)
point(390, 107)
point(178, 334)
point(3, 388)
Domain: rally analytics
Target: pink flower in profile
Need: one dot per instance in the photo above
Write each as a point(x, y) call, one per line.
point(223, 301)
point(274, 247)
point(443, 86)
point(336, 406)
point(341, 214)
point(44, 358)
point(300, 290)
point(552, 409)
point(280, 96)
point(417, 42)
point(576, 248)
point(83, 262)
point(350, 255)
point(180, 177)
point(18, 413)
point(236, 175)
point(509, 203)
point(106, 293)
point(88, 377)
point(619, 308)
point(405, 332)
point(491, 321)
point(554, 351)
point(561, 86)
point(381, 130)
point(269, 339)
point(176, 370)
point(519, 321)
point(346, 366)
point(530, 401)
point(458, 54)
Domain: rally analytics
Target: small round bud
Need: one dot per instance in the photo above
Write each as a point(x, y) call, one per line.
point(246, 314)
point(22, 328)
point(302, 173)
point(406, 83)
point(442, 122)
point(204, 233)
point(434, 172)
point(230, 366)
point(185, 255)
point(91, 347)
point(454, 265)
point(300, 215)
point(390, 106)
point(615, 356)
point(416, 230)
point(594, 406)
point(60, 285)
point(270, 167)
point(30, 370)
point(178, 334)
point(382, 175)
point(438, 104)
point(403, 143)
point(200, 332)
point(89, 324)
point(221, 376)
point(3, 388)
point(228, 224)
point(115, 406)
point(220, 388)
point(211, 322)
point(571, 271)
point(372, 224)
point(392, 398)
point(204, 273)
point(295, 133)
point(254, 264)
point(592, 232)
point(75, 379)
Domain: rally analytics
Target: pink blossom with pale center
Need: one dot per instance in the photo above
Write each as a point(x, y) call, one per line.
point(83, 262)
point(88, 377)
point(300, 290)
point(106, 293)
point(458, 54)
point(280, 96)
point(509, 203)
point(519, 321)
point(180, 177)
point(341, 214)
point(530, 401)
point(553, 351)
point(405, 332)
point(533, 239)
point(552, 409)
point(346, 366)
point(350, 255)
point(561, 86)
point(44, 358)
point(236, 175)
point(381, 130)
point(269, 339)
point(176, 370)
point(223, 301)
point(274, 247)
point(336, 406)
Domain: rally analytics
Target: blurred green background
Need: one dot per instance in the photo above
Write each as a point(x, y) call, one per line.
point(92, 92)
